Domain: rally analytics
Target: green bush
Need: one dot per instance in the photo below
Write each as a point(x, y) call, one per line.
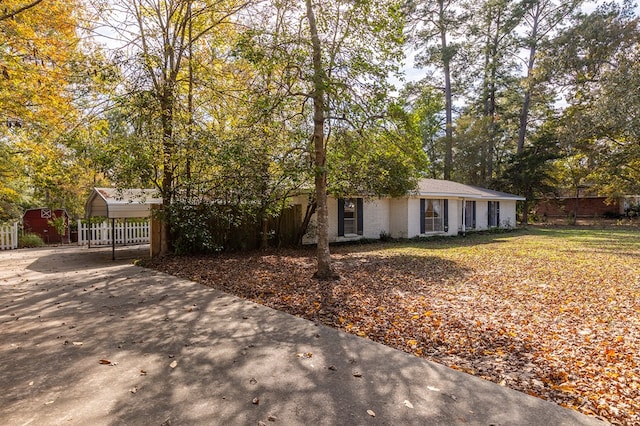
point(30, 240)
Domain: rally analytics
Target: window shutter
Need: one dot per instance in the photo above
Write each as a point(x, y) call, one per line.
point(422, 208)
point(446, 215)
point(340, 217)
point(360, 213)
point(498, 213)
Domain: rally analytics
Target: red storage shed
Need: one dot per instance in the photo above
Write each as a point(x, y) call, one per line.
point(41, 221)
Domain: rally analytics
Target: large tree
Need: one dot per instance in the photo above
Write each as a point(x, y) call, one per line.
point(38, 45)
point(353, 50)
point(436, 28)
point(494, 28)
point(541, 19)
point(159, 36)
point(48, 73)
point(326, 66)
point(595, 61)
point(423, 105)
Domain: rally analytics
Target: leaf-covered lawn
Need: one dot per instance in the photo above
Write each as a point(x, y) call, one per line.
point(554, 313)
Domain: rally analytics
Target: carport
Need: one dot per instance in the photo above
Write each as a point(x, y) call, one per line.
point(114, 203)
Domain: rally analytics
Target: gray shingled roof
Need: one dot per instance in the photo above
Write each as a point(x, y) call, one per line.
point(447, 188)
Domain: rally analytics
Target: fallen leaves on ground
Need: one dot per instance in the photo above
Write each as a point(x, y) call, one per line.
point(550, 312)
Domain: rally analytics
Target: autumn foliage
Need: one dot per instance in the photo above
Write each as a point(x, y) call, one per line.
point(550, 312)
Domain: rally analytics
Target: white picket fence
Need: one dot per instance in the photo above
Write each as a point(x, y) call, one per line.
point(138, 232)
point(9, 236)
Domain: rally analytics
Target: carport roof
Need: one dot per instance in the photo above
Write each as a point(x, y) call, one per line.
point(115, 203)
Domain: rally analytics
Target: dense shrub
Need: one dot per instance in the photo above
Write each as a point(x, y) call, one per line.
point(30, 240)
point(632, 211)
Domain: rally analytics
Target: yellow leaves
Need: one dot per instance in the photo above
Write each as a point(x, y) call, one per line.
point(565, 387)
point(612, 374)
point(41, 42)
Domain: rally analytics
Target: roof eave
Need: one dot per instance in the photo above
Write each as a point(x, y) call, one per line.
point(468, 196)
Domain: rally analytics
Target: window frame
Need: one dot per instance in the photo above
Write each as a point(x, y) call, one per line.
point(470, 213)
point(357, 219)
point(493, 214)
point(444, 216)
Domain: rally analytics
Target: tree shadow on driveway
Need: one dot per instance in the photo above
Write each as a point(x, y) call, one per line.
point(120, 344)
point(73, 258)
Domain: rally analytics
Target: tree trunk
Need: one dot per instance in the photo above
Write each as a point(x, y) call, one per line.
point(576, 206)
point(526, 102)
point(190, 122)
point(525, 212)
point(324, 271)
point(489, 92)
point(166, 119)
point(524, 118)
point(310, 211)
point(448, 104)
point(264, 234)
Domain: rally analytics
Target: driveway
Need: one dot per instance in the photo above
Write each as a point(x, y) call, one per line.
point(87, 340)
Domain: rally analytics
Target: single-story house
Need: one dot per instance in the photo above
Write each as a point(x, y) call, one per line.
point(436, 207)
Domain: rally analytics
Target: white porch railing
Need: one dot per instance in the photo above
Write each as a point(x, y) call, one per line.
point(135, 232)
point(9, 236)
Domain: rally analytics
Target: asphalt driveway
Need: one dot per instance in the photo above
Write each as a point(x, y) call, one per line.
point(87, 340)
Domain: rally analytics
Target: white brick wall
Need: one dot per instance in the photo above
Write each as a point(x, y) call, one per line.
point(455, 211)
point(413, 229)
point(507, 214)
point(376, 217)
point(400, 217)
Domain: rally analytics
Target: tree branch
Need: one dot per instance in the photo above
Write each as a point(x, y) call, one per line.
point(9, 15)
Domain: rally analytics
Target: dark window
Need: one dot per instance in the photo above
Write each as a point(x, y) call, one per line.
point(494, 214)
point(350, 216)
point(470, 214)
